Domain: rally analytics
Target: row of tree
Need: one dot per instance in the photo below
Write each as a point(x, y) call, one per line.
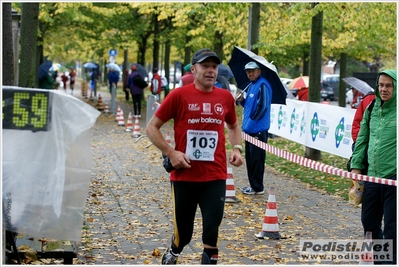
point(162, 33)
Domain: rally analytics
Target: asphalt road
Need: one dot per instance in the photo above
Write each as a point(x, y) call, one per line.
point(128, 215)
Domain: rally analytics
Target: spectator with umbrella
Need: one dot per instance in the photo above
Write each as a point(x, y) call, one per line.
point(256, 123)
point(44, 77)
point(264, 87)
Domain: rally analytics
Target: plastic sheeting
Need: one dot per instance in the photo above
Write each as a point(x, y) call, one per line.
point(46, 174)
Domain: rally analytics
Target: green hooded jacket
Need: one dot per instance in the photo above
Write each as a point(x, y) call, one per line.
point(380, 136)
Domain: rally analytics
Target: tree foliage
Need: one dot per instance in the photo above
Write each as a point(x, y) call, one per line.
point(87, 30)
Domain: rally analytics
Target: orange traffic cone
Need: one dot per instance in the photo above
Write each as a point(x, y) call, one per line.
point(136, 129)
point(91, 95)
point(106, 107)
point(100, 105)
point(118, 113)
point(167, 138)
point(367, 257)
point(270, 223)
point(121, 119)
point(230, 189)
point(129, 126)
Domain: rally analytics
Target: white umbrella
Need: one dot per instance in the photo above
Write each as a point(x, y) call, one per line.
point(113, 66)
point(90, 65)
point(55, 66)
point(358, 84)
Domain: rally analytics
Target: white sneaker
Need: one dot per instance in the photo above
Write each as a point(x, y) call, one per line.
point(250, 191)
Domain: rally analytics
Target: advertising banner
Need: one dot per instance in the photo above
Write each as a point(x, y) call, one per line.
point(324, 127)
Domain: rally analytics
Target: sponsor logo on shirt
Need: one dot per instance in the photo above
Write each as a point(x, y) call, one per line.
point(193, 107)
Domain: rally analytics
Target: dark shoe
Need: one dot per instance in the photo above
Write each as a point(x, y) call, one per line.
point(169, 258)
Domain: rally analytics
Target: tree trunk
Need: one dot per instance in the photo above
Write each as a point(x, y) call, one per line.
point(305, 60)
point(155, 55)
point(8, 53)
point(218, 44)
point(125, 66)
point(315, 71)
point(187, 51)
point(28, 63)
point(167, 59)
point(254, 21)
point(342, 73)
point(141, 51)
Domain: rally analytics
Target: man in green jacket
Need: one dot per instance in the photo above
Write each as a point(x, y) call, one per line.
point(377, 141)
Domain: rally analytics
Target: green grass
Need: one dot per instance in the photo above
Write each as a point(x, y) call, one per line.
point(332, 184)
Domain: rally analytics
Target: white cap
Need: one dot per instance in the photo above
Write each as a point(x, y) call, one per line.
point(252, 65)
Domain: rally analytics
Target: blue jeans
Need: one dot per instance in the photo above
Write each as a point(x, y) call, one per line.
point(255, 158)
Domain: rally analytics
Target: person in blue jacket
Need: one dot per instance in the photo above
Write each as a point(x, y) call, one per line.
point(113, 78)
point(256, 123)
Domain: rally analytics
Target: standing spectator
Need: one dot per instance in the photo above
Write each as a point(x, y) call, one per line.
point(72, 77)
point(93, 75)
point(199, 158)
point(136, 91)
point(46, 82)
point(164, 86)
point(55, 75)
point(377, 135)
point(357, 97)
point(222, 82)
point(113, 78)
point(156, 84)
point(303, 94)
point(64, 80)
point(365, 101)
point(256, 123)
point(188, 76)
point(126, 88)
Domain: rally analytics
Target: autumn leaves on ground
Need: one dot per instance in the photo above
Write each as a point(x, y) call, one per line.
point(128, 215)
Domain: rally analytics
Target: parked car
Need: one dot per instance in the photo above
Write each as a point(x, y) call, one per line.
point(286, 81)
point(332, 80)
point(326, 91)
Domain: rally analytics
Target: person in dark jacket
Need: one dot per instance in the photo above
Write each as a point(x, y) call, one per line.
point(256, 123)
point(136, 91)
point(113, 78)
point(378, 140)
point(46, 82)
point(126, 88)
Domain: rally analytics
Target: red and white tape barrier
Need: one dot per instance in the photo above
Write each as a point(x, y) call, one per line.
point(314, 164)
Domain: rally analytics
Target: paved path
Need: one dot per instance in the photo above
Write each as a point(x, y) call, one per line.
point(128, 216)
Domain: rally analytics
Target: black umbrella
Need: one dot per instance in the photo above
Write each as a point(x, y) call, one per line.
point(44, 68)
point(241, 57)
point(225, 71)
point(141, 69)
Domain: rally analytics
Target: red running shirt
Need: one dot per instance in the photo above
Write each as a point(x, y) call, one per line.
point(199, 130)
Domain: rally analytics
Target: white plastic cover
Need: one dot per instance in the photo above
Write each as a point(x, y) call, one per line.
point(46, 174)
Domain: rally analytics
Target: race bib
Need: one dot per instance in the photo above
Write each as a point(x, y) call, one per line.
point(201, 145)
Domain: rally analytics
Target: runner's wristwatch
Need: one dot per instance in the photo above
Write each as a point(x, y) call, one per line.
point(239, 147)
